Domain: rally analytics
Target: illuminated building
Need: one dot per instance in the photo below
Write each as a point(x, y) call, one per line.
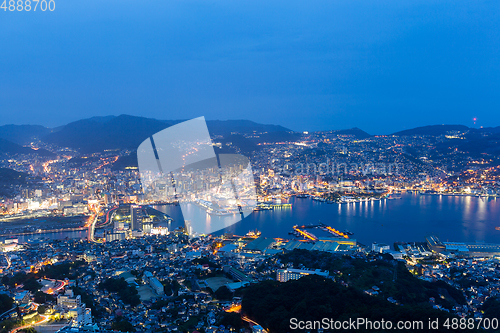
point(153, 283)
point(380, 247)
point(284, 275)
point(135, 217)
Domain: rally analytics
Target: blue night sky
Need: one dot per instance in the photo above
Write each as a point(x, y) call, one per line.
point(379, 65)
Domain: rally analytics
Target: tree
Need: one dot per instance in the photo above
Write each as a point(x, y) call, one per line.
point(232, 319)
point(41, 297)
point(32, 285)
point(127, 293)
point(122, 325)
point(88, 300)
point(312, 298)
point(223, 293)
point(167, 287)
point(491, 308)
point(5, 303)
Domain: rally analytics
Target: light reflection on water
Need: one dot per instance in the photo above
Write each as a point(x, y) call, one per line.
point(411, 218)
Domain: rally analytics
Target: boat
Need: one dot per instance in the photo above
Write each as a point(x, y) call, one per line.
point(263, 206)
point(347, 232)
point(302, 196)
point(497, 228)
point(253, 233)
point(319, 199)
point(220, 212)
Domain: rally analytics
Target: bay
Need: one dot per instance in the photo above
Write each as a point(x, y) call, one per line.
point(410, 218)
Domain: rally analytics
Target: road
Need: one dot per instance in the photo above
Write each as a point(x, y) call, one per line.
point(109, 215)
point(92, 228)
point(250, 321)
point(60, 285)
point(93, 225)
point(43, 319)
point(93, 220)
point(9, 263)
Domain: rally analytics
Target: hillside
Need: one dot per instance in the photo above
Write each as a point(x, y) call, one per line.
point(312, 298)
point(92, 135)
point(7, 147)
point(356, 132)
point(400, 295)
point(490, 129)
point(22, 134)
point(433, 130)
point(11, 182)
point(274, 137)
point(127, 132)
point(226, 127)
point(478, 146)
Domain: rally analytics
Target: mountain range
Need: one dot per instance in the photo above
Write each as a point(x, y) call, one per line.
point(436, 130)
point(123, 132)
point(23, 134)
point(127, 132)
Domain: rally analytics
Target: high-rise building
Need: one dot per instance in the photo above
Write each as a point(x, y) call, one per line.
point(135, 217)
point(72, 307)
